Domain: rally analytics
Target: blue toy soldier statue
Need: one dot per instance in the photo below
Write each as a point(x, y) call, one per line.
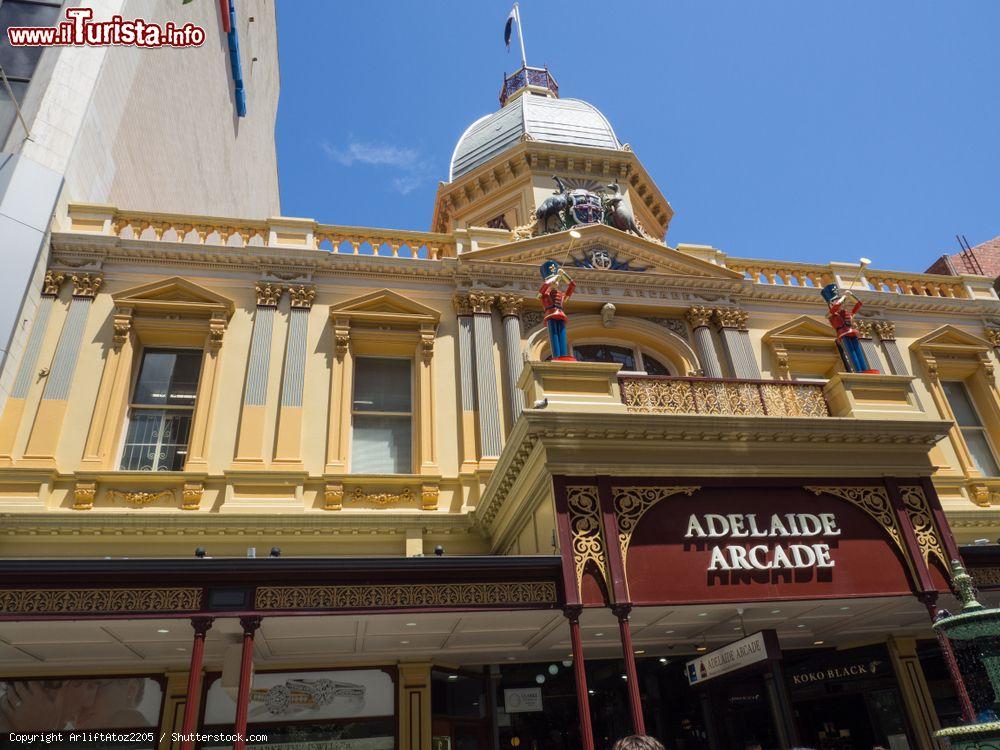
point(553, 297)
point(847, 333)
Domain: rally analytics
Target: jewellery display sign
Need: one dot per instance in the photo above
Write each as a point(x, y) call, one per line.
point(307, 696)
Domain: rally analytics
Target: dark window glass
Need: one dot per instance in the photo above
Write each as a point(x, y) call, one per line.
point(653, 366)
point(20, 62)
point(168, 377)
point(606, 353)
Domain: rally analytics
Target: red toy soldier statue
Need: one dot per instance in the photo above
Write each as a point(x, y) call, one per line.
point(552, 301)
point(847, 333)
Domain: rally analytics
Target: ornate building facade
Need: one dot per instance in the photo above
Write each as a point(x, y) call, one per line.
point(471, 544)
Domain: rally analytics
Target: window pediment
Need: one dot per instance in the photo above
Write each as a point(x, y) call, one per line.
point(387, 314)
point(803, 344)
point(171, 306)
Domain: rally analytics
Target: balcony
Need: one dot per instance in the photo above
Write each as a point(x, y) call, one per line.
point(648, 394)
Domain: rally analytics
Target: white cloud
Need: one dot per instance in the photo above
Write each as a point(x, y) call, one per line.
point(413, 170)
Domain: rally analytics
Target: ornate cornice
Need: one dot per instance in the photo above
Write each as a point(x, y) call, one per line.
point(698, 316)
point(52, 283)
point(406, 596)
point(731, 317)
point(510, 305)
point(268, 293)
point(86, 284)
point(301, 296)
point(140, 498)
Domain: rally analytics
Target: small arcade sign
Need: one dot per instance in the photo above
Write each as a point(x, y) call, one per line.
point(746, 652)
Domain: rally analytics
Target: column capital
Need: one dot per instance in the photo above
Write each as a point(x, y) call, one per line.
point(216, 330)
point(573, 612)
point(731, 317)
point(482, 302)
point(86, 285)
point(268, 293)
point(510, 305)
point(301, 296)
point(463, 305)
point(885, 329)
point(52, 283)
point(865, 329)
point(698, 316)
point(122, 326)
point(202, 625)
point(993, 336)
point(250, 624)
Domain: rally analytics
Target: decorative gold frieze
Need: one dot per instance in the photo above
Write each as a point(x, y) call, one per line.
point(83, 495)
point(698, 316)
point(139, 498)
point(391, 596)
point(301, 296)
point(885, 329)
point(482, 302)
point(922, 520)
point(631, 504)
point(872, 500)
point(359, 496)
point(52, 283)
point(586, 529)
point(510, 305)
point(463, 305)
point(333, 496)
point(731, 317)
point(993, 336)
point(122, 323)
point(429, 494)
point(723, 397)
point(86, 284)
point(268, 293)
point(191, 495)
point(98, 601)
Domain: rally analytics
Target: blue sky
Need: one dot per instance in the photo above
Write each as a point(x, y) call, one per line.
point(791, 129)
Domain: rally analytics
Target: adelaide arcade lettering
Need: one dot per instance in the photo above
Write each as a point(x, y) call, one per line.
point(770, 555)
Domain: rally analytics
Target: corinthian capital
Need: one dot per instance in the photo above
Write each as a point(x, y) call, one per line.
point(510, 305)
point(86, 285)
point(886, 330)
point(301, 296)
point(731, 317)
point(463, 305)
point(865, 329)
point(268, 294)
point(993, 336)
point(481, 302)
point(53, 281)
point(698, 316)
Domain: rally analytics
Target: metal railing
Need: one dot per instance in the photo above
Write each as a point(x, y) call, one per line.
point(649, 394)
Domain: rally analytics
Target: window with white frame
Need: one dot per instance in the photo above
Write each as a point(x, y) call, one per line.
point(382, 416)
point(159, 422)
point(632, 359)
point(971, 427)
point(19, 63)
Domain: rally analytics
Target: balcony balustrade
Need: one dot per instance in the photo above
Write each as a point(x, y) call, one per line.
point(648, 394)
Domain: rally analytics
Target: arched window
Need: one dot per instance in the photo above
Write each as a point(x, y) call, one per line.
point(632, 359)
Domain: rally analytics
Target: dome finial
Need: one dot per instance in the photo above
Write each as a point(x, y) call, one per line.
point(534, 80)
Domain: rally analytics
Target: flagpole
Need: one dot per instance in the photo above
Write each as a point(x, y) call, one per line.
point(520, 34)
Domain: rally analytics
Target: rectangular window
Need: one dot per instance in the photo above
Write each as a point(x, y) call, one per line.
point(160, 414)
point(382, 416)
point(971, 427)
point(19, 63)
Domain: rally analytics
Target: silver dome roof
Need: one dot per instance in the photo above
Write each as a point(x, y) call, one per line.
point(569, 121)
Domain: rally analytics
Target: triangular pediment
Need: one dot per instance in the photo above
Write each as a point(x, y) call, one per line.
point(949, 337)
point(602, 248)
point(173, 293)
point(384, 303)
point(803, 329)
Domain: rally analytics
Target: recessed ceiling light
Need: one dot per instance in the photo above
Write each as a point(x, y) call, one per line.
point(703, 614)
point(663, 660)
point(510, 658)
point(702, 648)
point(668, 632)
point(591, 692)
point(844, 609)
point(817, 643)
point(775, 611)
point(403, 643)
point(411, 624)
point(453, 677)
point(180, 648)
point(640, 651)
point(598, 635)
point(737, 628)
point(800, 626)
point(624, 677)
point(163, 630)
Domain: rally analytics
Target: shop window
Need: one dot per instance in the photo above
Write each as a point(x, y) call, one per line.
point(382, 416)
point(971, 427)
point(159, 423)
point(631, 359)
point(19, 63)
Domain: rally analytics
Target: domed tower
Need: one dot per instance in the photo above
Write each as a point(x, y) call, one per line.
point(509, 163)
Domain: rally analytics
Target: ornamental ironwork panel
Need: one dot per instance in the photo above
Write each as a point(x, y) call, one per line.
point(98, 601)
point(406, 596)
point(922, 520)
point(875, 502)
point(631, 504)
point(740, 398)
point(587, 531)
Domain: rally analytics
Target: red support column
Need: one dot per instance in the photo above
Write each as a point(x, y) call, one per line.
point(632, 676)
point(957, 681)
point(580, 672)
point(201, 626)
point(250, 625)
